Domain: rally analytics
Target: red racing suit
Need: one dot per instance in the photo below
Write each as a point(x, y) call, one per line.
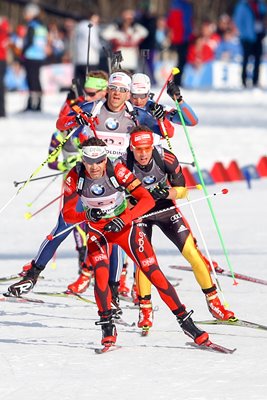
point(99, 193)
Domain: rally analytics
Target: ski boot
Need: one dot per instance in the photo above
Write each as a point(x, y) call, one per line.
point(81, 257)
point(216, 308)
point(83, 281)
point(190, 329)
point(145, 316)
point(123, 289)
point(25, 269)
point(115, 300)
point(109, 331)
point(27, 283)
point(134, 294)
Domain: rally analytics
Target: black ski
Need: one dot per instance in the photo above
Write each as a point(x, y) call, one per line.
point(222, 272)
point(208, 345)
point(233, 322)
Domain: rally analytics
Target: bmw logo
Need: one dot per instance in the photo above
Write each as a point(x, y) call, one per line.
point(97, 190)
point(112, 124)
point(148, 180)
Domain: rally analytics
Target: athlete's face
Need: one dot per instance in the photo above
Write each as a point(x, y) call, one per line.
point(117, 95)
point(94, 94)
point(142, 154)
point(139, 100)
point(96, 170)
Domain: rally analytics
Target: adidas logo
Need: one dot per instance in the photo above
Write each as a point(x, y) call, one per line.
point(182, 228)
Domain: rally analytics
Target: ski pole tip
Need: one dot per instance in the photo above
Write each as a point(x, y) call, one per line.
point(235, 283)
point(27, 215)
point(49, 237)
point(225, 191)
point(175, 71)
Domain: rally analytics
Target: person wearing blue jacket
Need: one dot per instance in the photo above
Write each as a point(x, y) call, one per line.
point(34, 54)
point(249, 18)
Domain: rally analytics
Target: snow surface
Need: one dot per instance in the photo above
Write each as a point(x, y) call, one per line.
point(46, 350)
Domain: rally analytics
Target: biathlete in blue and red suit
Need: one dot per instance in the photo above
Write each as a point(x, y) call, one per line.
point(102, 188)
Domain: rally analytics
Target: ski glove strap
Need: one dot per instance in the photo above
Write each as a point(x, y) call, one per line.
point(83, 119)
point(157, 110)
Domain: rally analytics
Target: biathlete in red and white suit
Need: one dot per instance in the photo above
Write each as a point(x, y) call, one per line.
point(101, 189)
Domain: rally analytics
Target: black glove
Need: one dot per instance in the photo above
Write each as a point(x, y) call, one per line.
point(82, 119)
point(115, 225)
point(173, 91)
point(157, 110)
point(160, 192)
point(95, 214)
point(71, 95)
point(133, 201)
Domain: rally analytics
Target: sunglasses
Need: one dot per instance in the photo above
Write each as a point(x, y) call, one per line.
point(139, 96)
point(91, 94)
point(120, 89)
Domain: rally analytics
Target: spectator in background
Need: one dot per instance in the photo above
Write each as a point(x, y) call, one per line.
point(34, 54)
point(80, 47)
point(126, 36)
point(4, 42)
point(56, 40)
point(203, 48)
point(161, 37)
point(249, 17)
point(180, 24)
point(147, 46)
point(201, 53)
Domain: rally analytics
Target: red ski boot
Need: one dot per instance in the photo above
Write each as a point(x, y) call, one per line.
point(123, 289)
point(83, 281)
point(216, 308)
point(145, 314)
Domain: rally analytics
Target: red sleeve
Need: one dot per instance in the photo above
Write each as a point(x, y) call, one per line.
point(169, 128)
point(133, 185)
point(71, 198)
point(66, 122)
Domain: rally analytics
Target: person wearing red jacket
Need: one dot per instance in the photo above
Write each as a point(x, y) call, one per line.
point(102, 188)
point(4, 40)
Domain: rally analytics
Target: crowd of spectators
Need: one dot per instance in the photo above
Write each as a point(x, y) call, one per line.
point(143, 39)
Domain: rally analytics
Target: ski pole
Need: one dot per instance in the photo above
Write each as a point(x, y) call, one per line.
point(69, 228)
point(42, 191)
point(223, 191)
point(206, 250)
point(205, 190)
point(38, 179)
point(90, 25)
point(173, 72)
point(29, 215)
point(187, 163)
point(54, 258)
point(54, 153)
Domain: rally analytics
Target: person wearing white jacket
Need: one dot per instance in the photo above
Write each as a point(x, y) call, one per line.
point(126, 35)
point(81, 45)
